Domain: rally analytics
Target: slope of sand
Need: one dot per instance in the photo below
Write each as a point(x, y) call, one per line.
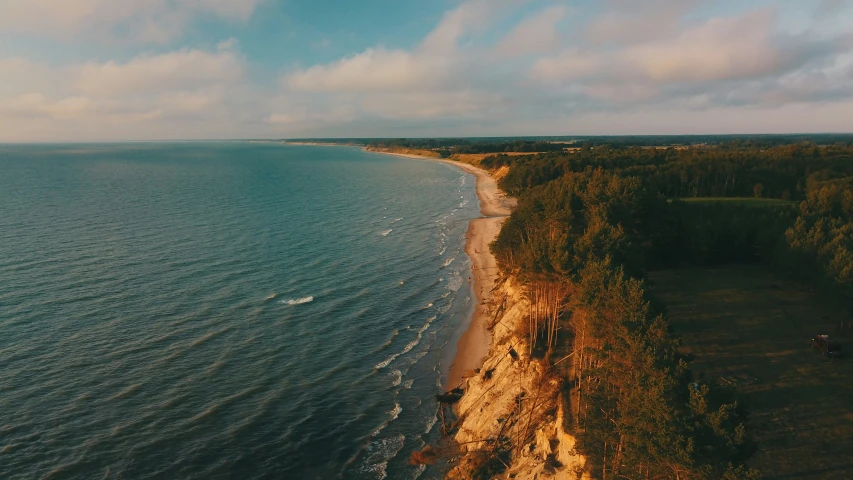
point(495, 207)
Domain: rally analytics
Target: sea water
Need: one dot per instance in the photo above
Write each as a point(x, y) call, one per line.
point(225, 310)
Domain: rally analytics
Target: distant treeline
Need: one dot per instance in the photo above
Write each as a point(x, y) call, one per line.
point(594, 221)
point(506, 144)
point(784, 172)
point(448, 147)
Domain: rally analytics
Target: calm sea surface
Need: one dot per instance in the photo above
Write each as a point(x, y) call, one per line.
point(225, 310)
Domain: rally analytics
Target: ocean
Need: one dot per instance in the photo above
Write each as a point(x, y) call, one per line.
point(226, 310)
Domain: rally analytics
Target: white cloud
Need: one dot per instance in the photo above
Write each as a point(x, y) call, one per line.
point(373, 70)
point(155, 21)
point(535, 34)
point(164, 73)
point(21, 75)
point(618, 67)
point(426, 105)
point(166, 93)
point(727, 48)
point(719, 49)
point(655, 56)
point(455, 24)
point(437, 60)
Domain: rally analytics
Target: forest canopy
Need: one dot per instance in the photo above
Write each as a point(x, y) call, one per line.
point(598, 218)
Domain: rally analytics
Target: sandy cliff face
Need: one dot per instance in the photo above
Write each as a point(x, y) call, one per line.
point(511, 411)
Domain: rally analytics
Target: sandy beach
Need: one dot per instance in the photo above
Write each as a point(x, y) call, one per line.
point(495, 207)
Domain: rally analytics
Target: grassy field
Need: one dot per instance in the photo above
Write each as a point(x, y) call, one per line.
point(755, 202)
point(748, 329)
point(476, 158)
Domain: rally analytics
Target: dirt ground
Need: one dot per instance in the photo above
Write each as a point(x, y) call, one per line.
point(751, 330)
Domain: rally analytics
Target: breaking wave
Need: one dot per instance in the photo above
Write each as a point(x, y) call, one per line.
point(409, 346)
point(297, 301)
point(455, 282)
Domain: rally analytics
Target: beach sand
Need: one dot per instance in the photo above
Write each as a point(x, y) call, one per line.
point(495, 207)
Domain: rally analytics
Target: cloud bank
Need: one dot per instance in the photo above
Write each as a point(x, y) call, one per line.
point(505, 67)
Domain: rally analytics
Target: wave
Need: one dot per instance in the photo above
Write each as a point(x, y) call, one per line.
point(396, 220)
point(214, 366)
point(395, 413)
point(409, 346)
point(408, 384)
point(448, 262)
point(386, 362)
point(427, 324)
point(398, 377)
point(386, 232)
point(127, 391)
point(431, 423)
point(209, 336)
point(270, 297)
point(388, 342)
point(218, 404)
point(297, 301)
point(446, 308)
point(380, 452)
point(454, 282)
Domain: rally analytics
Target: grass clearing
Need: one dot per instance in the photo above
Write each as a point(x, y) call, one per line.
point(747, 328)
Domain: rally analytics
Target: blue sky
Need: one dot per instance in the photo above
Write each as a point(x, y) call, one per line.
point(93, 70)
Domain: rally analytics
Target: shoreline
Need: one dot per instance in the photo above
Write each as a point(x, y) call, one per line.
point(495, 207)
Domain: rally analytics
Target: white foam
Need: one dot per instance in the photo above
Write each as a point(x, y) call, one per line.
point(427, 324)
point(448, 262)
point(379, 452)
point(455, 282)
point(386, 232)
point(408, 348)
point(446, 308)
point(398, 377)
point(396, 220)
point(408, 384)
point(297, 301)
point(271, 297)
point(386, 362)
point(431, 423)
point(395, 413)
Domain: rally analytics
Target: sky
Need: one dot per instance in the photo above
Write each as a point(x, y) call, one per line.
point(119, 70)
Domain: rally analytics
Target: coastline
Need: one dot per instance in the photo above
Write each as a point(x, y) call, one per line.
point(495, 207)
